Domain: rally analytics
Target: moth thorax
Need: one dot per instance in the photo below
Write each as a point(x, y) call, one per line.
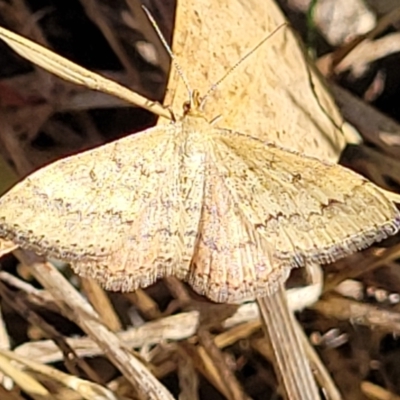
point(195, 123)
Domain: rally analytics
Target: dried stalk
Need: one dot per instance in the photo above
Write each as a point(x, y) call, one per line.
point(292, 367)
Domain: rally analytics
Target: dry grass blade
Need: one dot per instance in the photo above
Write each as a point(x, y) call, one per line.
point(74, 73)
point(293, 368)
point(101, 303)
point(219, 370)
point(321, 374)
point(375, 392)
point(25, 381)
point(88, 390)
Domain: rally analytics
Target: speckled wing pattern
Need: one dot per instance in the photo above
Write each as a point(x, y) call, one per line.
point(114, 212)
point(231, 261)
point(223, 211)
point(306, 209)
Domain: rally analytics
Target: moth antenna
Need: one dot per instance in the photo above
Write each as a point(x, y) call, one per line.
point(245, 57)
point(169, 51)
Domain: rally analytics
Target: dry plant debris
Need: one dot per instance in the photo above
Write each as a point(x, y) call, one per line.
point(273, 215)
point(255, 345)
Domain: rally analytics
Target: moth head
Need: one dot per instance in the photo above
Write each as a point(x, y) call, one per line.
point(194, 106)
